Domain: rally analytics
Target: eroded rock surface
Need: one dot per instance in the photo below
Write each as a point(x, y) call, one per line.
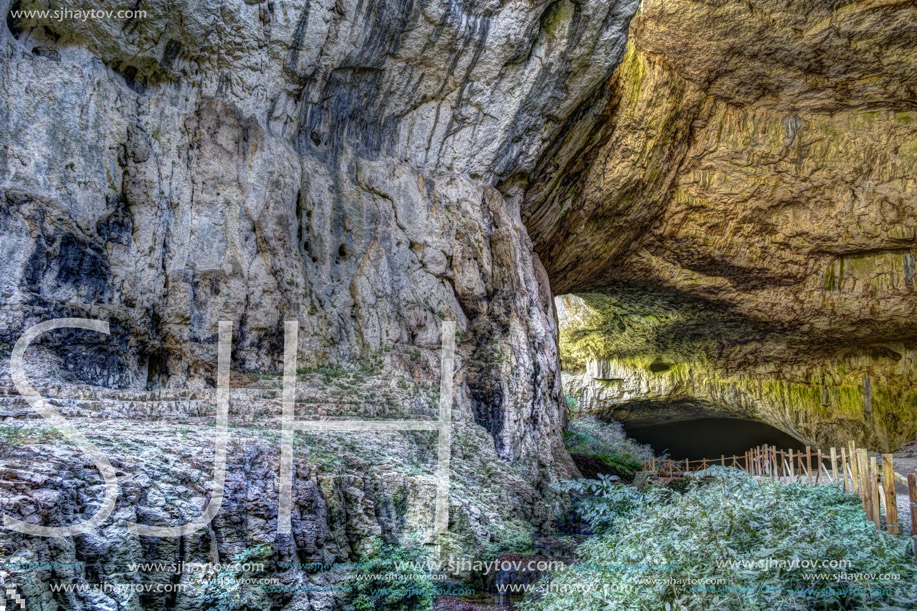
point(746, 211)
point(356, 166)
point(350, 491)
point(331, 162)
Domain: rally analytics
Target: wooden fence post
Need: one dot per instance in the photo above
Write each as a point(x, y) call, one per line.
point(891, 497)
point(853, 470)
point(809, 464)
point(880, 490)
point(912, 497)
point(875, 485)
point(818, 467)
point(722, 460)
point(862, 471)
point(834, 463)
point(792, 467)
point(844, 467)
point(855, 473)
point(874, 492)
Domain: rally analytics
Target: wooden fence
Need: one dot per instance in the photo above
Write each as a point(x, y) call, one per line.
point(858, 472)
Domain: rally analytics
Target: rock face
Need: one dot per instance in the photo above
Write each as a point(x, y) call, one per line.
point(357, 166)
point(744, 218)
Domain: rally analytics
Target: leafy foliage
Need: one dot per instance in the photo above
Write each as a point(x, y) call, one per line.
point(18, 436)
point(732, 542)
point(372, 589)
point(607, 442)
point(516, 539)
point(603, 501)
point(226, 592)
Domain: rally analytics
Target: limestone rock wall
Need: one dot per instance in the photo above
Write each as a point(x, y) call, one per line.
point(334, 162)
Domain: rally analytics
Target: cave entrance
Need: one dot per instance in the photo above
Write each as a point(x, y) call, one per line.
point(710, 437)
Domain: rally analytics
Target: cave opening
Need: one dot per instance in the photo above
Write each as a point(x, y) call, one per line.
point(710, 437)
point(679, 374)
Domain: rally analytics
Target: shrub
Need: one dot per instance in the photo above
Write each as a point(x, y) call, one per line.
point(373, 589)
point(606, 442)
point(517, 539)
point(733, 542)
point(603, 501)
point(227, 592)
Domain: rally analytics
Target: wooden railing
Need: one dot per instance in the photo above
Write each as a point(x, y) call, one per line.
point(858, 472)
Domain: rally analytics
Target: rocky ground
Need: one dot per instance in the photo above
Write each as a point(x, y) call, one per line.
point(349, 489)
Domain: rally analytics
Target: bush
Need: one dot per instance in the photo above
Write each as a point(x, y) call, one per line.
point(227, 590)
point(606, 442)
point(373, 589)
point(603, 502)
point(517, 539)
point(732, 542)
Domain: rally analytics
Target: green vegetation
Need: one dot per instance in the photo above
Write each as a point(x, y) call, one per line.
point(731, 542)
point(259, 375)
point(16, 436)
point(329, 373)
point(571, 402)
point(227, 592)
point(370, 590)
point(606, 442)
point(516, 538)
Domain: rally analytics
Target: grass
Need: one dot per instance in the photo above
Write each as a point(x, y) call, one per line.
point(11, 436)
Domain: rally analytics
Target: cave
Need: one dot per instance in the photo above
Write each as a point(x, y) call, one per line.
point(547, 232)
point(710, 438)
point(651, 353)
